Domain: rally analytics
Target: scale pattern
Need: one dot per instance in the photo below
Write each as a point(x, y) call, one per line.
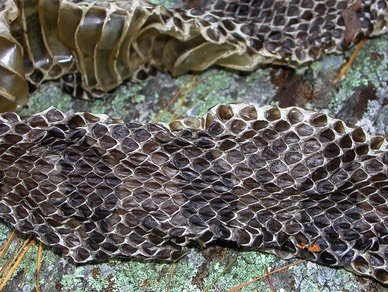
point(94, 47)
point(288, 181)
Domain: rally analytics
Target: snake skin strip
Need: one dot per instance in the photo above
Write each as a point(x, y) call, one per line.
point(94, 47)
point(288, 181)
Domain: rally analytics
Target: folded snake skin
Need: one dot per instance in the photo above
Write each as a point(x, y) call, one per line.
point(95, 46)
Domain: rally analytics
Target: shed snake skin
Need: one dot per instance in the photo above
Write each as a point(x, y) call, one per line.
point(267, 178)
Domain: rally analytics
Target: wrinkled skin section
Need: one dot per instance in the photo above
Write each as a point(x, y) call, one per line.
point(288, 181)
point(94, 47)
point(13, 85)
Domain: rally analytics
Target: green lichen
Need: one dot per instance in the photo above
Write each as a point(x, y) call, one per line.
point(151, 276)
point(197, 93)
point(47, 95)
point(139, 276)
point(73, 281)
point(210, 90)
point(246, 266)
point(139, 98)
point(25, 271)
point(99, 283)
point(4, 231)
point(315, 278)
point(182, 279)
point(370, 67)
point(114, 106)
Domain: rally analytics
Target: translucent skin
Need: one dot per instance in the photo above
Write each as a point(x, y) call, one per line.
point(94, 47)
